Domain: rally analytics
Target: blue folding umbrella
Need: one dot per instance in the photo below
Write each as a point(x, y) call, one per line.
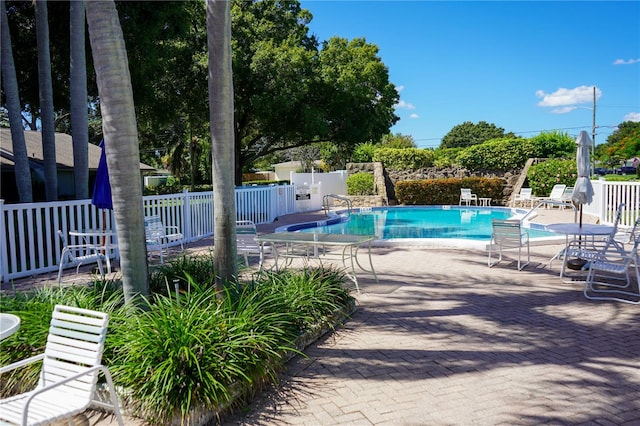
point(101, 196)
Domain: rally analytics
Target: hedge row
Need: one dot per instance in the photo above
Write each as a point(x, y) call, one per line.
point(446, 191)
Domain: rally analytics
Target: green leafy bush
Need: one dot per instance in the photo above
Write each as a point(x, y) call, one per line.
point(446, 157)
point(543, 176)
point(446, 191)
point(553, 144)
point(497, 154)
point(364, 153)
point(360, 184)
point(404, 158)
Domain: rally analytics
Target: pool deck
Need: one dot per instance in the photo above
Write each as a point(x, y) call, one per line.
point(442, 339)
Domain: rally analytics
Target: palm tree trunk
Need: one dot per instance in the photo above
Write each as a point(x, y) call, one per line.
point(46, 102)
point(78, 88)
point(121, 143)
point(222, 141)
point(10, 84)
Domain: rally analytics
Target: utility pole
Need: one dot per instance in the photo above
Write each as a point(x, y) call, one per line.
point(593, 133)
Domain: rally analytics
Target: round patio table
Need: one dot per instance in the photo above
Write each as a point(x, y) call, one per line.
point(9, 324)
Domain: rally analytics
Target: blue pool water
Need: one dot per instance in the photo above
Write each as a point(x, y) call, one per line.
point(431, 222)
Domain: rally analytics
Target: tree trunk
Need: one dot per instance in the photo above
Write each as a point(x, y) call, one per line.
point(121, 144)
point(222, 139)
point(10, 84)
point(79, 109)
point(46, 102)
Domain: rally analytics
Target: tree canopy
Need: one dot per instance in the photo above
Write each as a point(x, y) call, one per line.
point(468, 133)
point(290, 90)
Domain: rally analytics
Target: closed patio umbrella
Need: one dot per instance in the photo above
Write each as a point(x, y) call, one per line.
point(582, 190)
point(101, 197)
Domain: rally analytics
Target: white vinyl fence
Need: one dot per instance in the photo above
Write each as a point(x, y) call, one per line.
point(608, 196)
point(30, 244)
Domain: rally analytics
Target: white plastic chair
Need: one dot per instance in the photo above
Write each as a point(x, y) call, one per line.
point(69, 373)
point(586, 250)
point(508, 234)
point(160, 237)
point(78, 255)
point(555, 197)
point(608, 275)
point(525, 196)
point(246, 233)
point(467, 197)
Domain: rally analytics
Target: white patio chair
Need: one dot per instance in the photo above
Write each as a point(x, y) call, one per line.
point(508, 234)
point(69, 372)
point(589, 249)
point(525, 196)
point(467, 197)
point(246, 233)
point(608, 276)
point(78, 255)
point(160, 237)
point(555, 197)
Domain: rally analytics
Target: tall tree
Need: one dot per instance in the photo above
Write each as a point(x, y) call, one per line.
point(46, 102)
point(222, 142)
point(10, 84)
point(78, 90)
point(121, 141)
point(468, 133)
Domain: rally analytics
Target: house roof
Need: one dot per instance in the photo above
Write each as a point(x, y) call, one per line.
point(64, 150)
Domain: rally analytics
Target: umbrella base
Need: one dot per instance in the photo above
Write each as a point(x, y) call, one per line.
point(576, 264)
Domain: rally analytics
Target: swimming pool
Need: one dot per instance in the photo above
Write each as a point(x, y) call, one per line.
point(425, 225)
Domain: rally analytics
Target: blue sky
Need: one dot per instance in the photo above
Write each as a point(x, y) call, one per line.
point(524, 66)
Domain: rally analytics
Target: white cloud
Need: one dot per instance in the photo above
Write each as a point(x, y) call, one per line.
point(404, 105)
point(563, 110)
point(414, 115)
point(626, 61)
point(563, 97)
point(399, 88)
point(632, 116)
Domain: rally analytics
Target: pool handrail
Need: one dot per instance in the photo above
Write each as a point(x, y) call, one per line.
point(325, 202)
point(556, 203)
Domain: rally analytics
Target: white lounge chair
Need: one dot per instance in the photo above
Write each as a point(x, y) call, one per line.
point(78, 255)
point(467, 197)
point(69, 373)
point(525, 196)
point(246, 233)
point(508, 234)
point(555, 197)
point(160, 237)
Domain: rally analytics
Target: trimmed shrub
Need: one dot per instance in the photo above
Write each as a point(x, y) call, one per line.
point(364, 152)
point(446, 191)
point(543, 176)
point(498, 154)
point(360, 184)
point(404, 158)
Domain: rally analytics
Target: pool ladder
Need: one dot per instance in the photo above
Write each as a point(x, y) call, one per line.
point(327, 197)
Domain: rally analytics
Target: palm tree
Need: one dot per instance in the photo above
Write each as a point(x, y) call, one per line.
point(10, 84)
point(222, 139)
point(121, 141)
point(46, 102)
point(79, 116)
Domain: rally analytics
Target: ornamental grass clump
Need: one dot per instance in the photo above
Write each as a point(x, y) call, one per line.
point(199, 351)
point(314, 294)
